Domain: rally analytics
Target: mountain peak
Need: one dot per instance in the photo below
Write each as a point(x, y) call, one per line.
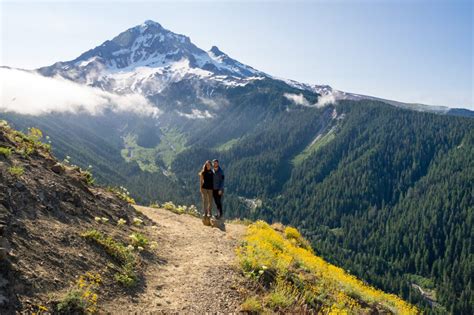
point(167, 55)
point(216, 51)
point(150, 25)
point(151, 22)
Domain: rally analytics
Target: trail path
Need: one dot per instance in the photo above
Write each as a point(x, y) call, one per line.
point(197, 271)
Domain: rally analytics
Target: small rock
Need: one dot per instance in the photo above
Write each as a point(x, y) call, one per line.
point(77, 200)
point(3, 253)
point(58, 168)
point(20, 186)
point(41, 196)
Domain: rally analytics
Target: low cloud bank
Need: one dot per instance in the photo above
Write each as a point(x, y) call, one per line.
point(30, 93)
point(299, 99)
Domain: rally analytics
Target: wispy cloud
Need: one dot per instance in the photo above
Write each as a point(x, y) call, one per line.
point(26, 92)
point(324, 100)
point(197, 114)
point(299, 99)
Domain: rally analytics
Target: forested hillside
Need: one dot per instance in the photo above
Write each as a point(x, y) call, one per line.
point(394, 192)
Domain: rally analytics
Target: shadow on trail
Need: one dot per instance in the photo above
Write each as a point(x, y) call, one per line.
point(219, 224)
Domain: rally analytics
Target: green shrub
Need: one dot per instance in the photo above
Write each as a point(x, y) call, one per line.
point(82, 298)
point(252, 305)
point(122, 193)
point(6, 152)
point(127, 278)
point(169, 205)
point(121, 222)
point(87, 175)
point(278, 299)
point(181, 209)
point(138, 240)
point(127, 260)
point(137, 221)
point(16, 170)
point(72, 303)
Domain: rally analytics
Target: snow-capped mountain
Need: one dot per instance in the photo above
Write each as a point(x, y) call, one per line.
point(146, 59)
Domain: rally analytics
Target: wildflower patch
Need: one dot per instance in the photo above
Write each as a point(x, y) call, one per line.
point(294, 278)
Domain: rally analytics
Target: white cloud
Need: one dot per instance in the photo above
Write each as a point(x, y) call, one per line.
point(324, 100)
point(299, 99)
point(25, 92)
point(197, 114)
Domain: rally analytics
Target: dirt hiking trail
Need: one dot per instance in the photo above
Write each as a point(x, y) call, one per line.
point(197, 270)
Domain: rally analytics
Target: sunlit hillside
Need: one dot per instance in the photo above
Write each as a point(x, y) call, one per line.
point(291, 277)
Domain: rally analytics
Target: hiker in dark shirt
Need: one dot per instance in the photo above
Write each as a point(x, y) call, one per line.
point(218, 185)
point(206, 179)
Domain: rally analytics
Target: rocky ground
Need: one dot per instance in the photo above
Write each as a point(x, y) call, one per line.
point(198, 273)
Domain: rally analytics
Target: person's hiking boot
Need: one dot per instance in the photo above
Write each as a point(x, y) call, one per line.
point(206, 220)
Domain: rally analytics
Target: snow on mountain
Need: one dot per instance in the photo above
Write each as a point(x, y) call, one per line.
point(147, 58)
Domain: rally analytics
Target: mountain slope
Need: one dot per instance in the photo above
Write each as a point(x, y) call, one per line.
point(45, 207)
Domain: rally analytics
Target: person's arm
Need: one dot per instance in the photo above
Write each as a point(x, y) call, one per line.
point(201, 181)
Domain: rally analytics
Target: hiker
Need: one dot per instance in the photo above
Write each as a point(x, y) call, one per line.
point(218, 187)
point(206, 179)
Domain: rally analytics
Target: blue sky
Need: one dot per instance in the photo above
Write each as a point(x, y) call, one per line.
point(411, 51)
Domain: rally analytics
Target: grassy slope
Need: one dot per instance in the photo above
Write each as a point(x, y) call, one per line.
point(293, 278)
point(313, 147)
point(172, 142)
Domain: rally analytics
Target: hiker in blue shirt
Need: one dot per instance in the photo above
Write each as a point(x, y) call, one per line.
point(218, 187)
